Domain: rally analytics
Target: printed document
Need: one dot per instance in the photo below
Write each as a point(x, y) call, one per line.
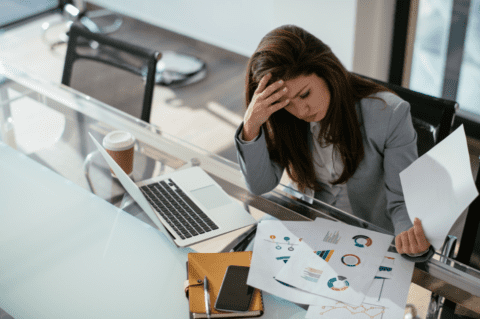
point(341, 262)
point(386, 298)
point(439, 186)
point(276, 242)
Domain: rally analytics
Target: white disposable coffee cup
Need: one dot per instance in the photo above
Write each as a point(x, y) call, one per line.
point(120, 144)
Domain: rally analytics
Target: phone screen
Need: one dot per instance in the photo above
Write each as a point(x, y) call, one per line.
point(235, 295)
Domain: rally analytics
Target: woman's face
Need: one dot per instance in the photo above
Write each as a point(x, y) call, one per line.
point(309, 97)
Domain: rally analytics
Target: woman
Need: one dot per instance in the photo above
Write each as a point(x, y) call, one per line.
point(341, 139)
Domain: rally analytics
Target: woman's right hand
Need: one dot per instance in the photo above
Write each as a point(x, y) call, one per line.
point(262, 106)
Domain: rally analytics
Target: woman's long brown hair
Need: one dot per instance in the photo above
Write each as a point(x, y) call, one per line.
point(288, 52)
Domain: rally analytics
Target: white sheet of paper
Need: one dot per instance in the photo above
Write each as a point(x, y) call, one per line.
point(346, 276)
point(439, 185)
point(272, 249)
point(274, 244)
point(386, 298)
point(338, 261)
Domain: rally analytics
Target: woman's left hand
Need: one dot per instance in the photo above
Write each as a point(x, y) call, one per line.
point(412, 241)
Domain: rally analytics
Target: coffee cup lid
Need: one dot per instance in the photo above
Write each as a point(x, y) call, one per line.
point(118, 141)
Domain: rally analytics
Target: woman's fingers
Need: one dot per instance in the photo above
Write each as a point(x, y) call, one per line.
point(263, 83)
point(405, 243)
point(272, 88)
point(275, 97)
point(422, 241)
point(412, 241)
point(265, 101)
point(267, 96)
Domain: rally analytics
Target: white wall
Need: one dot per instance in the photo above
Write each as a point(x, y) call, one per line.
point(373, 38)
point(239, 25)
point(332, 21)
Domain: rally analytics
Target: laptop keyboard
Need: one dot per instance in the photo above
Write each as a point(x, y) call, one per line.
point(178, 210)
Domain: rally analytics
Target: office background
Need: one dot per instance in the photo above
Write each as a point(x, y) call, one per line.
point(414, 43)
point(429, 46)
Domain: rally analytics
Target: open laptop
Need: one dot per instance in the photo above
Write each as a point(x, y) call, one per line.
point(188, 203)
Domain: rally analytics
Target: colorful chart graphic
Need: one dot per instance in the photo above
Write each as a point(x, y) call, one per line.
point(287, 242)
point(284, 258)
point(312, 274)
point(362, 241)
point(332, 238)
point(342, 310)
point(351, 260)
point(325, 254)
point(386, 269)
point(338, 283)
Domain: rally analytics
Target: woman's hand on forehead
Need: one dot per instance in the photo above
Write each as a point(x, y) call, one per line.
point(265, 102)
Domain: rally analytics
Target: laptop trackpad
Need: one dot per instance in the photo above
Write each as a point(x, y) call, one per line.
point(211, 196)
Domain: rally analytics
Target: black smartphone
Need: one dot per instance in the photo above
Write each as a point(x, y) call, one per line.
point(235, 295)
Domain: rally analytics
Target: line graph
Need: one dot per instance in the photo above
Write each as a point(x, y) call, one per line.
point(278, 243)
point(360, 312)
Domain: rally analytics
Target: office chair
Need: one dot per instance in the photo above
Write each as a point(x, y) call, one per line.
point(432, 117)
point(115, 72)
point(174, 69)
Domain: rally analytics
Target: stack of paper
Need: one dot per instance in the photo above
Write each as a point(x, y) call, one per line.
point(337, 269)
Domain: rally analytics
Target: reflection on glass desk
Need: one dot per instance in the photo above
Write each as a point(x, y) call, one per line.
point(49, 123)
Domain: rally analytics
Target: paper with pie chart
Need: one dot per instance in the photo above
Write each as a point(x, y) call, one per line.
point(340, 263)
point(386, 297)
point(273, 246)
point(342, 275)
point(363, 240)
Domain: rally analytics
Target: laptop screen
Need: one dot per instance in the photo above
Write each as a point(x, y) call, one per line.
point(131, 188)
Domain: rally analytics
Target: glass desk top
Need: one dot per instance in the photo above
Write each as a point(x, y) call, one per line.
point(49, 123)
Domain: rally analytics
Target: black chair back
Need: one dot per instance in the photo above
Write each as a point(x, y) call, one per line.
point(113, 71)
point(432, 117)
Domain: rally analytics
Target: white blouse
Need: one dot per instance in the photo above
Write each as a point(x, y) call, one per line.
point(328, 167)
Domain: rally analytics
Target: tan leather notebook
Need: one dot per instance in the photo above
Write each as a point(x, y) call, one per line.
point(214, 266)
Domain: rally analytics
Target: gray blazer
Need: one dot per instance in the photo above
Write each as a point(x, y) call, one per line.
point(374, 191)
